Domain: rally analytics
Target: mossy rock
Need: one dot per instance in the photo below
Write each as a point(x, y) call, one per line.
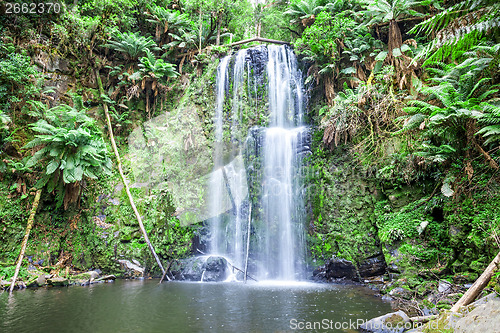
point(58, 282)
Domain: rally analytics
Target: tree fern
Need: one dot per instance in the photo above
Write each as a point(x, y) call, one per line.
point(71, 146)
point(300, 10)
point(167, 21)
point(131, 44)
point(156, 69)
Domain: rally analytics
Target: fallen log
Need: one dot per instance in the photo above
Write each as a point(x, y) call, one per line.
point(31, 220)
point(478, 286)
point(257, 39)
point(246, 274)
point(122, 175)
point(166, 271)
point(248, 242)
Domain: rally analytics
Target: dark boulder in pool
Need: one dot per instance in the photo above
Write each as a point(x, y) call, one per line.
point(338, 268)
point(201, 268)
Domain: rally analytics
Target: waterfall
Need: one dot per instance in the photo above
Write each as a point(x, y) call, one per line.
point(259, 166)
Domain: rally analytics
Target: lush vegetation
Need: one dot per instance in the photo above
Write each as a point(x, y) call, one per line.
point(405, 93)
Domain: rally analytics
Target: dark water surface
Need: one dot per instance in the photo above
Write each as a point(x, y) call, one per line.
point(146, 306)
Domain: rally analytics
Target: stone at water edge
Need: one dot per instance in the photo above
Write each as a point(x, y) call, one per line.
point(40, 281)
point(335, 268)
point(444, 287)
point(58, 281)
point(132, 270)
point(480, 316)
point(394, 322)
point(338, 268)
point(373, 266)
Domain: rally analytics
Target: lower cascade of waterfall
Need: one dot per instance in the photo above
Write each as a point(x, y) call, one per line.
point(256, 203)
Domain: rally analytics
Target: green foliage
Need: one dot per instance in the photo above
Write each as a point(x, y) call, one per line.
point(419, 238)
point(121, 13)
point(71, 144)
point(458, 28)
point(323, 37)
point(303, 9)
point(8, 272)
point(18, 80)
point(343, 119)
point(404, 224)
point(476, 226)
point(172, 239)
point(169, 21)
point(462, 95)
point(12, 218)
point(131, 44)
point(387, 10)
point(153, 68)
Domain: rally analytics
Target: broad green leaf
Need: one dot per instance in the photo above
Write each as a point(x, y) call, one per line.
point(381, 56)
point(52, 166)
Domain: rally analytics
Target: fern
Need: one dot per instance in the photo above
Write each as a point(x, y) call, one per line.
point(460, 94)
point(71, 146)
point(131, 44)
point(458, 28)
point(491, 120)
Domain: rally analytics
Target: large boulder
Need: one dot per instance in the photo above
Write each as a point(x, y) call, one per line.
point(338, 268)
point(201, 268)
point(395, 322)
point(335, 268)
point(373, 266)
point(132, 270)
point(481, 316)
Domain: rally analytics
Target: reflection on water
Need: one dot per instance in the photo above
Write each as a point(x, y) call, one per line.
point(146, 306)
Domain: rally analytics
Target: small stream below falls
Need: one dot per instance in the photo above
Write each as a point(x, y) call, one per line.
point(146, 306)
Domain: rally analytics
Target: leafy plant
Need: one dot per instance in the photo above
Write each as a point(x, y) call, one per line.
point(343, 119)
point(462, 97)
point(458, 28)
point(304, 11)
point(391, 11)
point(18, 81)
point(168, 22)
point(156, 69)
point(131, 44)
point(71, 145)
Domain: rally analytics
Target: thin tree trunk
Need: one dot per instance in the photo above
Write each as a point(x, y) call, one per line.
point(217, 41)
point(394, 39)
point(122, 175)
point(199, 46)
point(478, 286)
point(248, 241)
point(31, 219)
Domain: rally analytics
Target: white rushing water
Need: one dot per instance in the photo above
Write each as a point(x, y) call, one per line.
point(277, 249)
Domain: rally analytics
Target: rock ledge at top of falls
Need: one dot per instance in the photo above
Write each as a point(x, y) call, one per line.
point(338, 268)
point(201, 268)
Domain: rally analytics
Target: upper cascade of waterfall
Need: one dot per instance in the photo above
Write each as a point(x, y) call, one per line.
point(286, 100)
point(260, 138)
